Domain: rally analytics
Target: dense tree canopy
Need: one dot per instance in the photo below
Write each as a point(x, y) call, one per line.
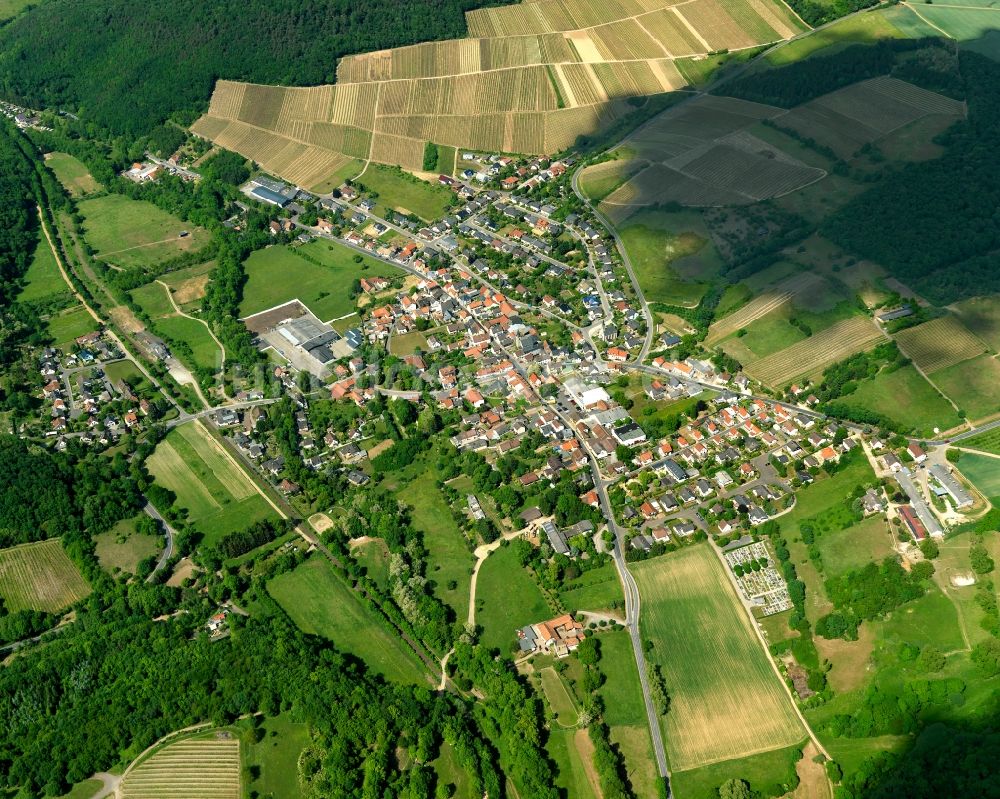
point(128, 65)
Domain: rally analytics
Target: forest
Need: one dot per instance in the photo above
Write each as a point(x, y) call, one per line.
point(128, 65)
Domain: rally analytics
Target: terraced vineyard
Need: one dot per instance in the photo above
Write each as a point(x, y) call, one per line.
point(207, 768)
point(534, 77)
point(811, 356)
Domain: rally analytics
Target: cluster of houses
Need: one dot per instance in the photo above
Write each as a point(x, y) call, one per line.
point(80, 399)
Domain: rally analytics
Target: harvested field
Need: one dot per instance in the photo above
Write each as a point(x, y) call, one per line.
point(812, 355)
point(206, 767)
point(939, 344)
point(40, 576)
point(524, 65)
point(726, 701)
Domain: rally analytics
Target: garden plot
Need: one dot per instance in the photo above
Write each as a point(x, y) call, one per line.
point(939, 344)
point(811, 356)
point(759, 581)
point(207, 768)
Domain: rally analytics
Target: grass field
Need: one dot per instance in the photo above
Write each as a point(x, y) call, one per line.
point(42, 281)
point(123, 548)
point(507, 598)
point(907, 398)
point(374, 556)
point(210, 762)
point(71, 173)
point(764, 336)
point(972, 384)
point(625, 712)
point(276, 755)
point(10, 8)
point(323, 288)
point(408, 343)
point(769, 773)
point(855, 546)
point(564, 747)
point(83, 790)
point(963, 23)
point(593, 590)
point(167, 323)
point(188, 285)
point(65, 327)
point(321, 604)
point(130, 233)
point(672, 256)
point(450, 772)
point(450, 558)
point(404, 193)
point(218, 495)
point(40, 576)
point(726, 701)
point(982, 471)
point(855, 29)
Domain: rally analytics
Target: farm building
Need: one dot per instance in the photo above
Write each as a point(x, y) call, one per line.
point(950, 486)
point(266, 195)
point(912, 522)
point(558, 636)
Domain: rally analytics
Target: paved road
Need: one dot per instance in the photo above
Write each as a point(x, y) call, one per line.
point(168, 532)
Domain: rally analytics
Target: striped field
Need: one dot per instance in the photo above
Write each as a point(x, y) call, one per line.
point(196, 768)
point(40, 576)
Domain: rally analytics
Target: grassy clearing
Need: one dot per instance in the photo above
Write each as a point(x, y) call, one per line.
point(842, 550)
point(596, 589)
point(276, 756)
point(405, 193)
point(71, 172)
point(11, 8)
point(65, 327)
point(85, 789)
point(726, 699)
point(374, 556)
point(450, 772)
point(408, 343)
point(40, 576)
point(323, 286)
point(42, 281)
point(507, 598)
point(450, 559)
point(188, 285)
point(672, 256)
point(123, 548)
point(770, 774)
point(907, 398)
point(982, 471)
point(932, 619)
point(136, 233)
point(321, 604)
point(972, 385)
point(219, 497)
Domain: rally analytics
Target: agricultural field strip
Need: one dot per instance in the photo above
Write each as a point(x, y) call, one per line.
point(811, 355)
point(939, 343)
point(211, 769)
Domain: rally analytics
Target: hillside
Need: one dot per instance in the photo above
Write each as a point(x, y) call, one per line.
point(139, 62)
point(536, 76)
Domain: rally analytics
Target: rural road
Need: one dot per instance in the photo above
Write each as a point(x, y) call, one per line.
point(168, 532)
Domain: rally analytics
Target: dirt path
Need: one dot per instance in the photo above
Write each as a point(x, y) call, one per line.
point(585, 748)
point(813, 782)
point(109, 785)
point(138, 247)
